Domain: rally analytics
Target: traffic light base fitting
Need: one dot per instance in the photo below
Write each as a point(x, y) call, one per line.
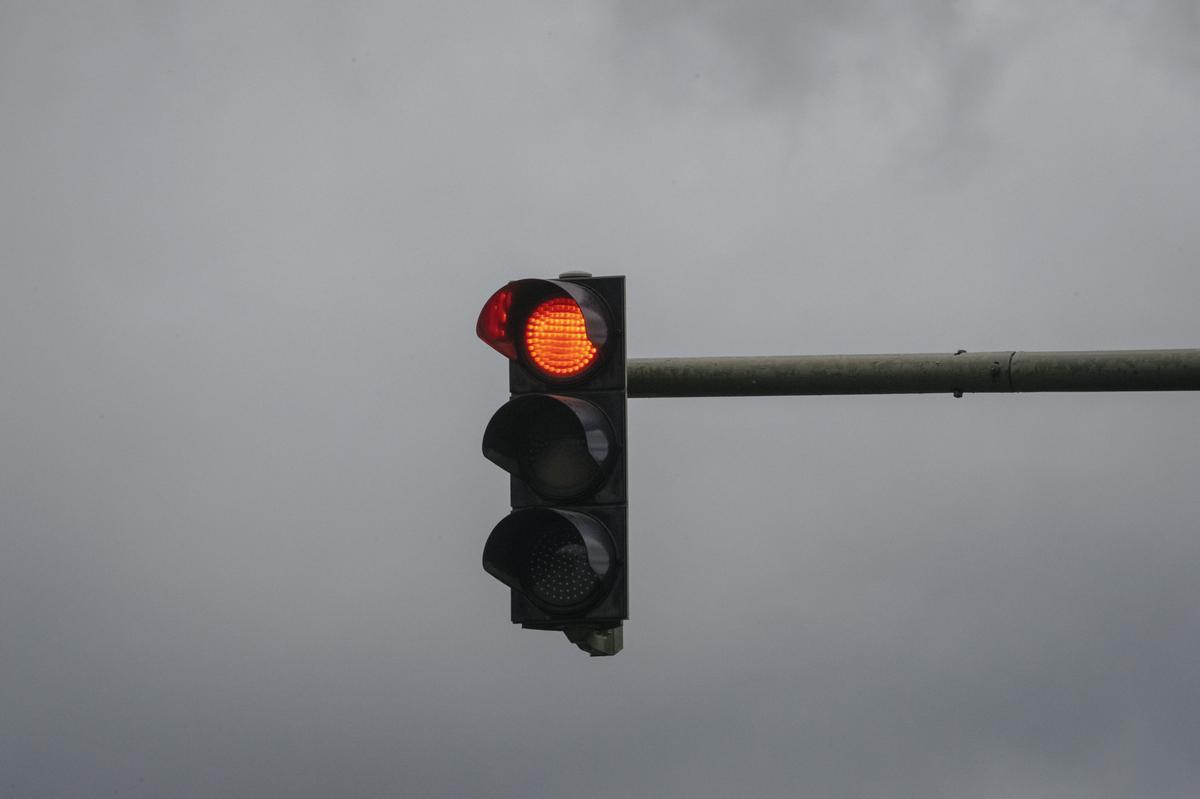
point(597, 643)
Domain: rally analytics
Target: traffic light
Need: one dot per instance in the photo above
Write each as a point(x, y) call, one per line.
point(561, 436)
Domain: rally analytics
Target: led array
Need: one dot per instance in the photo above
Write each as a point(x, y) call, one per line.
point(556, 338)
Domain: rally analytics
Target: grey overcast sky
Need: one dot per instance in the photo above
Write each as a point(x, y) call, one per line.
point(242, 504)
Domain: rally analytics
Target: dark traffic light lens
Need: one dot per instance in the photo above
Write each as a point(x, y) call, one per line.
point(562, 447)
point(555, 456)
point(562, 561)
point(562, 572)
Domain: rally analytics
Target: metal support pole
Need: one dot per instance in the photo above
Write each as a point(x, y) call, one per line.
point(932, 373)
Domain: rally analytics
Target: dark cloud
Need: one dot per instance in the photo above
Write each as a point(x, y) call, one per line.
point(942, 58)
point(1168, 31)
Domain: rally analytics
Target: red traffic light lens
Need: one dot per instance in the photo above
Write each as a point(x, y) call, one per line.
point(557, 330)
point(556, 338)
point(492, 326)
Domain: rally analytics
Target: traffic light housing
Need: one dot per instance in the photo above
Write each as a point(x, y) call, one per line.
point(561, 437)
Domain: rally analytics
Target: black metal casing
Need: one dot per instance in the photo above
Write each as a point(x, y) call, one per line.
point(604, 386)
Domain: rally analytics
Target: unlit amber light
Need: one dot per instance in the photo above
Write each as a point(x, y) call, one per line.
point(556, 338)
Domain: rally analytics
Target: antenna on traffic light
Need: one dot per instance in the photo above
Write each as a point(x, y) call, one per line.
point(563, 549)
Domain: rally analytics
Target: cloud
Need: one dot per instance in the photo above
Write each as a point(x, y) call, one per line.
point(940, 59)
point(1167, 32)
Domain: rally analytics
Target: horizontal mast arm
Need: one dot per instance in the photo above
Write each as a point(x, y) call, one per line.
point(924, 373)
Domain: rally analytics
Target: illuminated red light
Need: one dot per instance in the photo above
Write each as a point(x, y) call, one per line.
point(492, 326)
point(556, 338)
